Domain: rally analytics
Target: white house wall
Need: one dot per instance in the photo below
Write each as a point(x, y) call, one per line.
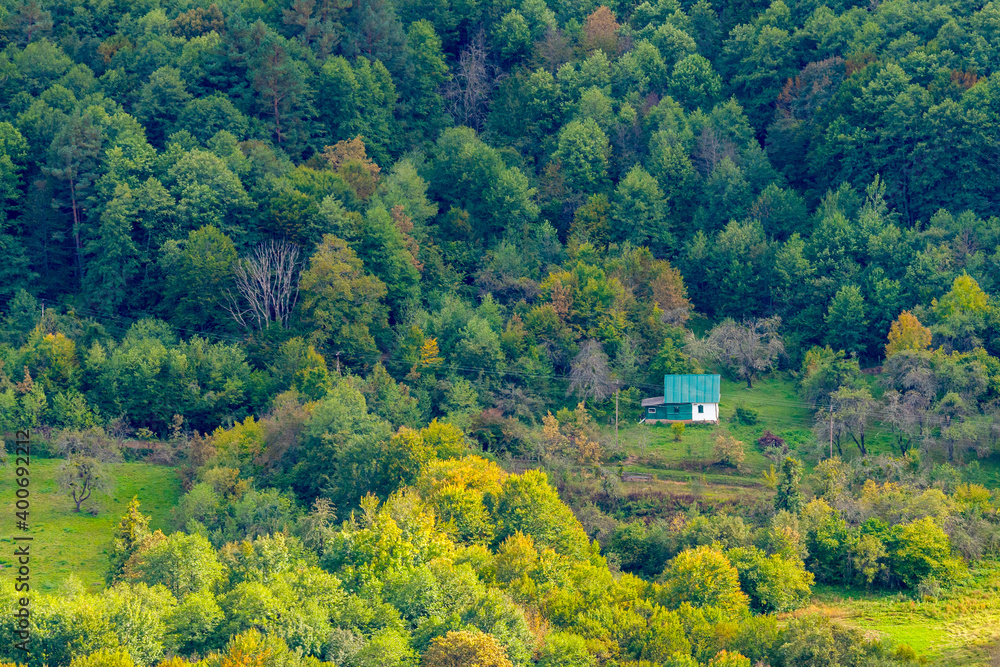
point(711, 413)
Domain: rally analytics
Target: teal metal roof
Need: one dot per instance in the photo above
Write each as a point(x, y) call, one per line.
point(690, 388)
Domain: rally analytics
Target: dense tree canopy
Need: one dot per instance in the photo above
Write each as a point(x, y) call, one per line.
point(355, 266)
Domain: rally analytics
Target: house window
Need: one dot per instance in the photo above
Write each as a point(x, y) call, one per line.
point(701, 409)
point(652, 411)
point(677, 409)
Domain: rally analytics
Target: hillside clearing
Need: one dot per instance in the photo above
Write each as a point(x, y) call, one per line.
point(67, 543)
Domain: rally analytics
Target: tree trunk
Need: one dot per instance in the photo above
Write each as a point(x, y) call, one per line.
point(277, 121)
point(76, 231)
point(84, 494)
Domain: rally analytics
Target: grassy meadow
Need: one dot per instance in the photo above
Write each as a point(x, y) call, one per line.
point(70, 543)
point(959, 626)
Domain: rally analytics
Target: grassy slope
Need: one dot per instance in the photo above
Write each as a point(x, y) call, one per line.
point(957, 629)
point(69, 543)
point(780, 410)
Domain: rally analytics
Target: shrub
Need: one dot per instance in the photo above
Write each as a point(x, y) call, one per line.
point(730, 450)
point(772, 446)
point(746, 416)
point(771, 441)
point(678, 430)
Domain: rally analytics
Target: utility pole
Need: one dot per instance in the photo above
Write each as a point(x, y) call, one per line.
point(831, 429)
point(616, 414)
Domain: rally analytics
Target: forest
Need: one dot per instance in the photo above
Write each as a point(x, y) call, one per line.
point(358, 300)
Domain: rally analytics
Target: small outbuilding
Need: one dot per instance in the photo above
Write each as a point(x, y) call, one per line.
point(686, 398)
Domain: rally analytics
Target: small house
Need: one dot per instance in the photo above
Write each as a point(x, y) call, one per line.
point(686, 398)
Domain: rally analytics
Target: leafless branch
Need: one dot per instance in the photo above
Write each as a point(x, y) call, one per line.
point(268, 285)
point(469, 90)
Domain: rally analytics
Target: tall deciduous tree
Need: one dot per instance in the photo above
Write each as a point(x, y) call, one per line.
point(907, 333)
point(583, 152)
point(529, 505)
point(600, 31)
point(747, 349)
point(341, 301)
point(359, 99)
point(422, 102)
point(111, 274)
point(199, 271)
point(703, 577)
point(458, 649)
point(161, 101)
point(73, 158)
point(638, 211)
point(846, 321)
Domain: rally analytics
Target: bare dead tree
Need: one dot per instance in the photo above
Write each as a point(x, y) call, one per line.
point(268, 285)
point(748, 349)
point(473, 80)
point(590, 375)
point(712, 149)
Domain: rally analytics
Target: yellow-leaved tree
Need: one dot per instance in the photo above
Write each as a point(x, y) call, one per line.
point(702, 577)
point(464, 648)
point(907, 333)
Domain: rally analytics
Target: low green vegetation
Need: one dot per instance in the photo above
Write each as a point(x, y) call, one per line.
point(950, 625)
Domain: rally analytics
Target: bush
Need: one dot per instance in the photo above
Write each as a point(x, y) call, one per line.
point(772, 446)
point(730, 450)
point(746, 416)
point(771, 441)
point(929, 587)
point(678, 430)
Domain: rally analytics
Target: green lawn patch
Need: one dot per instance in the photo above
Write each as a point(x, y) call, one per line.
point(66, 542)
point(957, 628)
